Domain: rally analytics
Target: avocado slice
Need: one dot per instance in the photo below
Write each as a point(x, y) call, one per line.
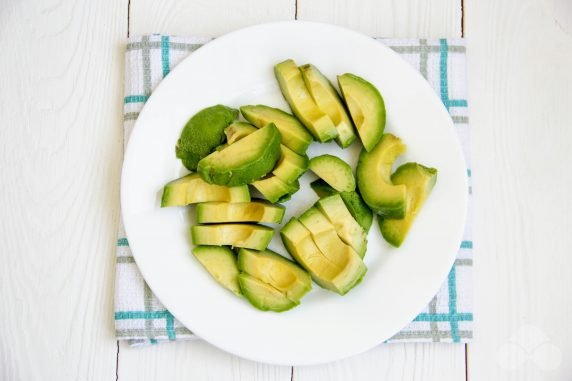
point(255, 211)
point(334, 208)
point(276, 271)
point(290, 166)
point(203, 133)
point(220, 262)
point(333, 170)
point(245, 161)
point(250, 236)
point(294, 90)
point(328, 101)
point(274, 189)
point(237, 131)
point(191, 189)
point(294, 135)
point(263, 296)
point(373, 177)
point(339, 277)
point(419, 181)
point(366, 107)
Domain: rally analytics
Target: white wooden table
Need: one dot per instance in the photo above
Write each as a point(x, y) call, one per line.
point(61, 66)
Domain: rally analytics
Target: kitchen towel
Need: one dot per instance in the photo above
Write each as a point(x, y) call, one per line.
point(140, 317)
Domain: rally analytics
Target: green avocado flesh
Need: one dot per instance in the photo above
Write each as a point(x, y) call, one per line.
point(245, 161)
point(373, 176)
point(294, 90)
point(221, 263)
point(193, 189)
point(237, 131)
point(347, 228)
point(337, 276)
point(329, 102)
point(203, 133)
point(255, 211)
point(263, 296)
point(334, 171)
point(419, 181)
point(274, 189)
point(294, 134)
point(276, 271)
point(366, 108)
point(250, 236)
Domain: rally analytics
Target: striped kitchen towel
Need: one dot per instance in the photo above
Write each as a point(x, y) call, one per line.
point(139, 315)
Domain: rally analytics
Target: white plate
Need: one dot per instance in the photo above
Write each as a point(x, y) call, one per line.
point(235, 70)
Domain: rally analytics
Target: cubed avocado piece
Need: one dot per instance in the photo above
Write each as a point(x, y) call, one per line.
point(294, 135)
point(255, 211)
point(250, 236)
point(203, 133)
point(348, 229)
point(329, 102)
point(273, 188)
point(263, 296)
point(237, 131)
point(290, 166)
point(245, 161)
point(419, 181)
point(333, 276)
point(193, 189)
point(333, 170)
point(301, 102)
point(276, 271)
point(374, 182)
point(366, 108)
point(220, 262)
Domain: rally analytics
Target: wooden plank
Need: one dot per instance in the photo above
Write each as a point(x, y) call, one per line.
point(192, 360)
point(388, 18)
point(520, 55)
point(394, 361)
point(60, 158)
point(204, 17)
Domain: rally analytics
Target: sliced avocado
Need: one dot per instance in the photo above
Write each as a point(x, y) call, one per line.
point(322, 188)
point(294, 90)
point(276, 271)
point(255, 211)
point(348, 229)
point(290, 166)
point(273, 188)
point(373, 177)
point(334, 276)
point(294, 134)
point(192, 189)
point(221, 263)
point(366, 108)
point(263, 296)
point(237, 131)
point(328, 101)
point(245, 161)
point(250, 236)
point(419, 181)
point(203, 133)
point(333, 170)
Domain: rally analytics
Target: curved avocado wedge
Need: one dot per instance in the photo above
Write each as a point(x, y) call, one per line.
point(255, 211)
point(221, 263)
point(203, 133)
point(294, 134)
point(193, 189)
point(419, 181)
point(373, 178)
point(328, 100)
point(237, 131)
point(245, 161)
point(276, 271)
point(263, 296)
point(301, 102)
point(333, 170)
point(366, 108)
point(250, 236)
point(274, 189)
